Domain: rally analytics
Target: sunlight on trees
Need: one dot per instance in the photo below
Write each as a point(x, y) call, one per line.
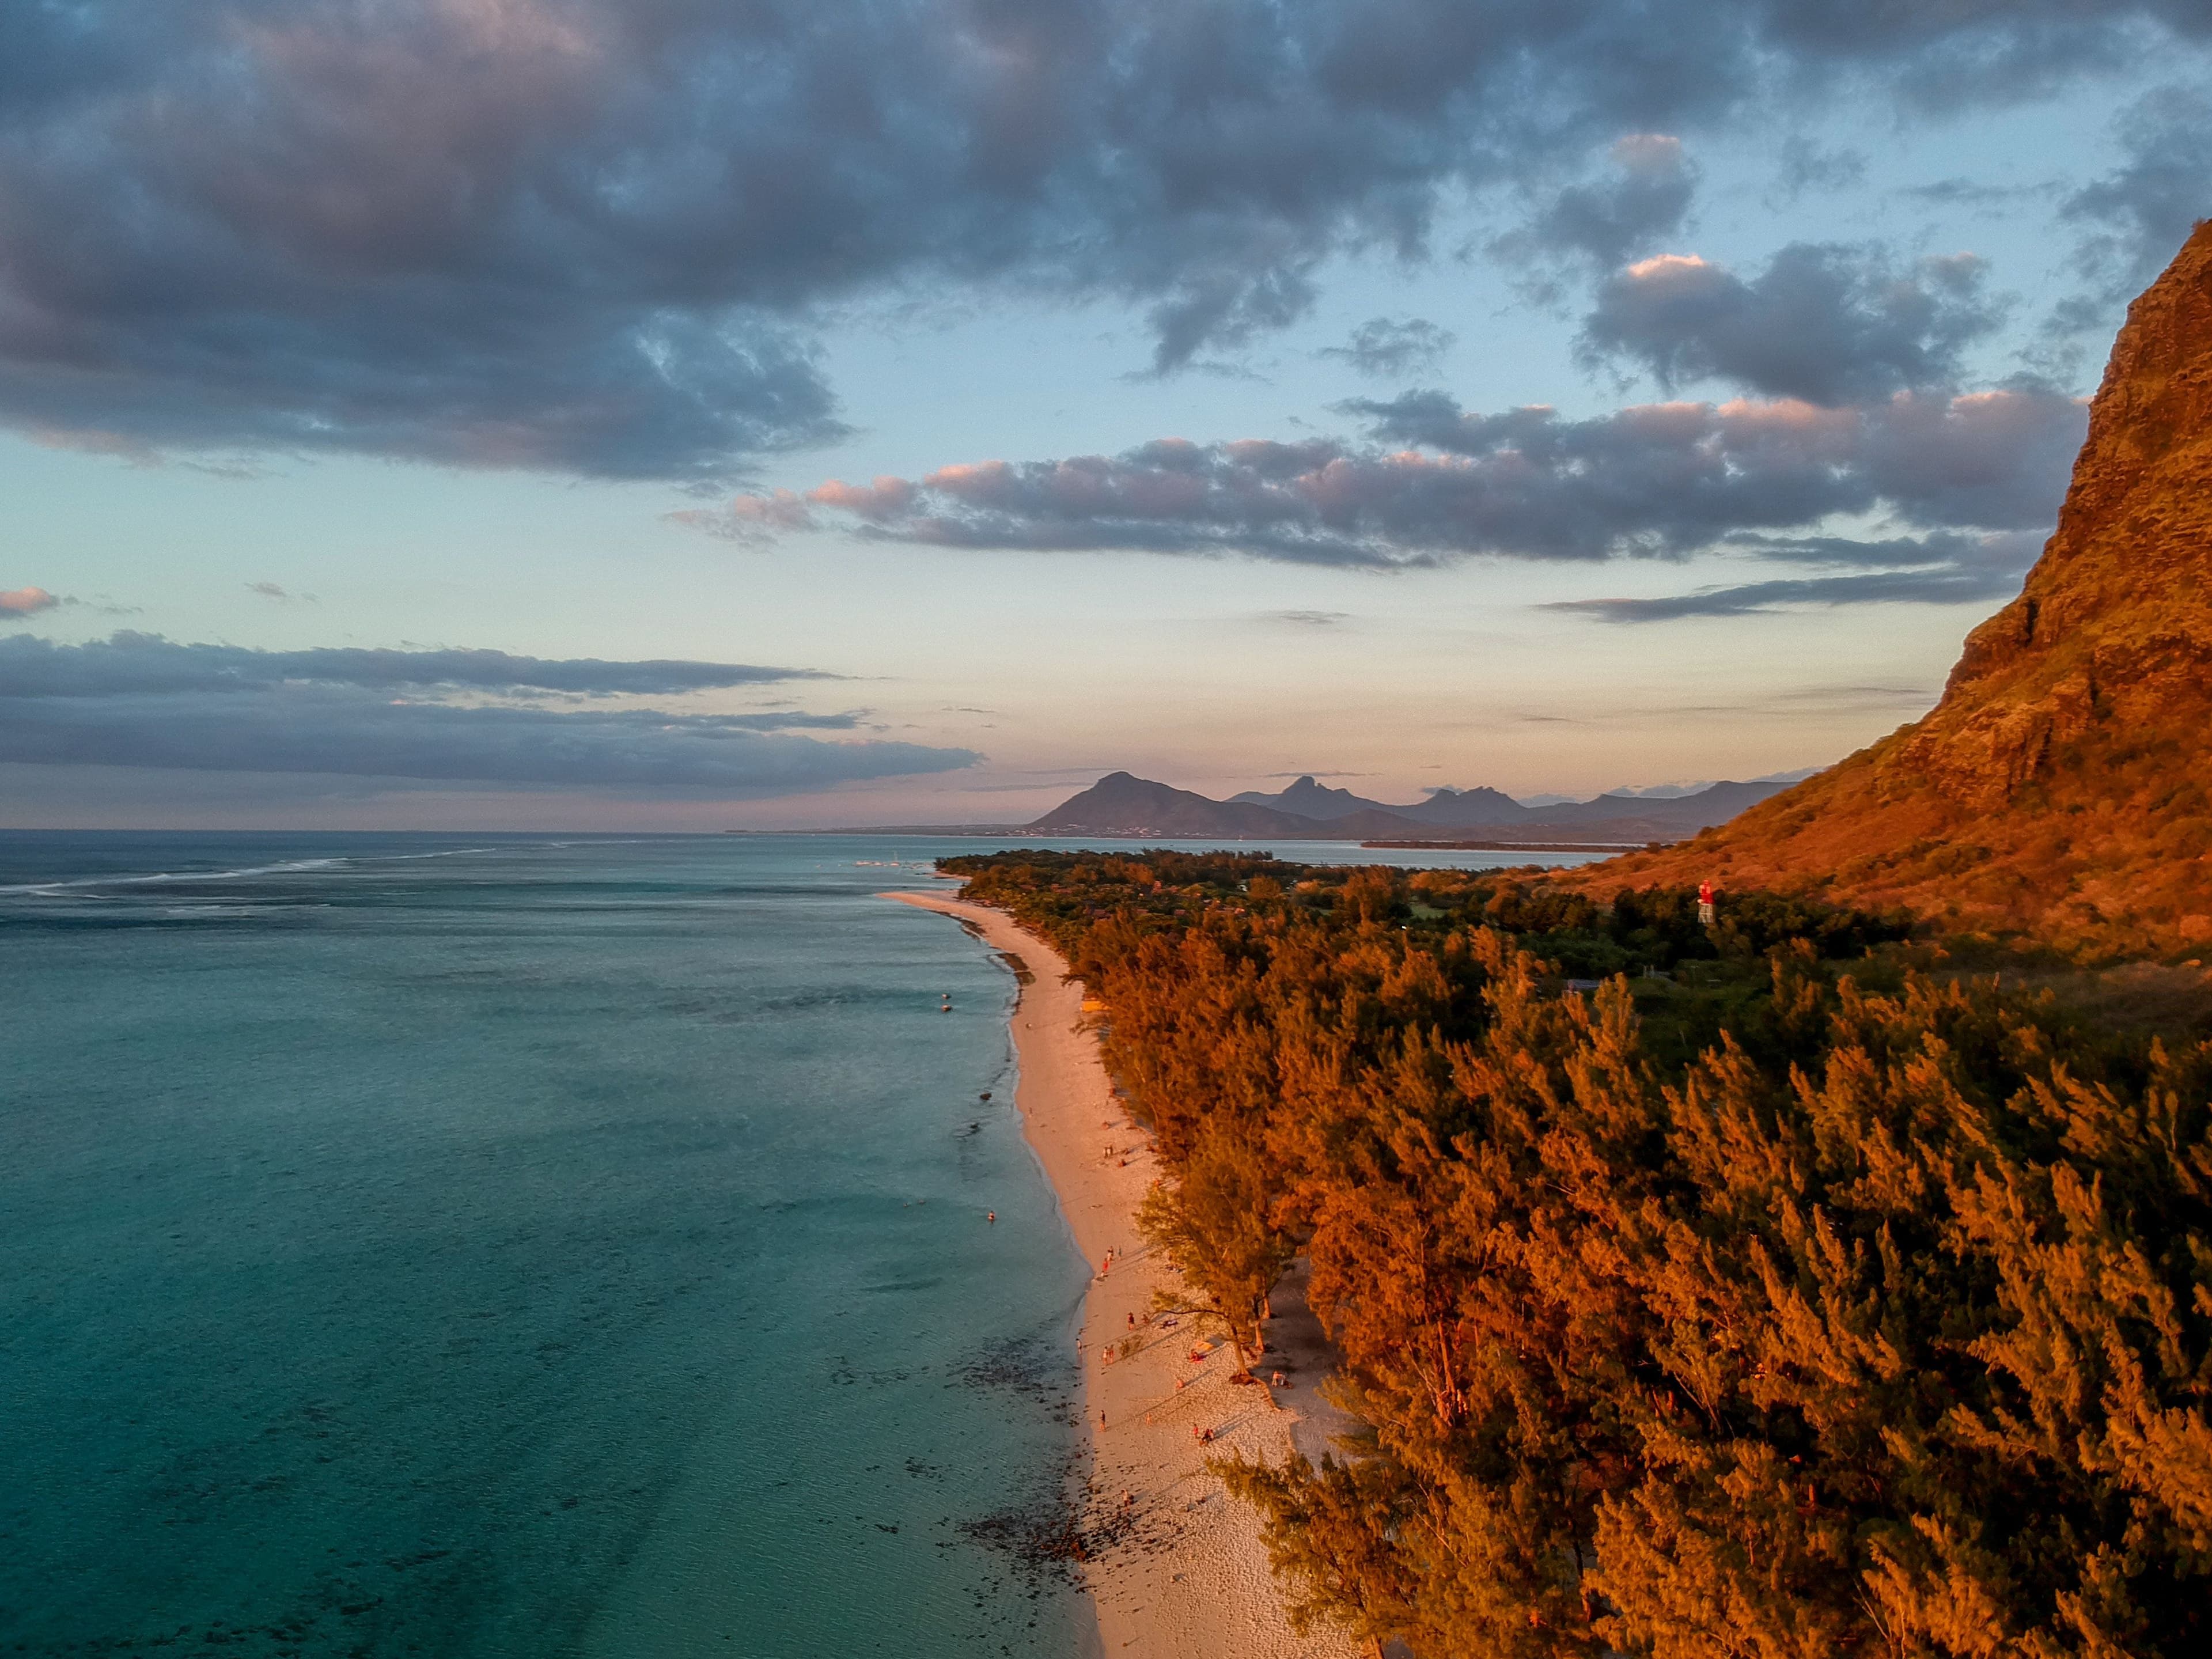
point(1811, 1300)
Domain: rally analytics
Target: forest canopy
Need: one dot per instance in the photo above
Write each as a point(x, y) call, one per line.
point(1764, 1289)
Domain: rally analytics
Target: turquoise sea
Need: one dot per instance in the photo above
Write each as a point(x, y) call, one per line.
point(518, 1246)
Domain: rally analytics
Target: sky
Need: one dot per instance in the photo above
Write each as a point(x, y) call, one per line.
point(666, 414)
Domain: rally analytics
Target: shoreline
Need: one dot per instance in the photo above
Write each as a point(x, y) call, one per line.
point(1186, 1570)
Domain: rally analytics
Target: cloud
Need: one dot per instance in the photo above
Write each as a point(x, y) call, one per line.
point(1441, 484)
point(594, 237)
point(139, 701)
point(146, 663)
point(2011, 550)
point(2144, 210)
point(1804, 167)
point(1871, 588)
point(1384, 348)
point(1824, 322)
point(1642, 198)
point(1687, 473)
point(1968, 193)
point(26, 602)
point(350, 735)
point(1942, 568)
point(1307, 618)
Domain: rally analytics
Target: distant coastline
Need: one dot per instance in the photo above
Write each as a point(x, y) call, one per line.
point(1130, 808)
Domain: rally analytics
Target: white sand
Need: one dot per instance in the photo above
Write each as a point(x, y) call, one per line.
point(1190, 1575)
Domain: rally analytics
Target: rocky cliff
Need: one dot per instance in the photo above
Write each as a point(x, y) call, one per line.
point(2059, 790)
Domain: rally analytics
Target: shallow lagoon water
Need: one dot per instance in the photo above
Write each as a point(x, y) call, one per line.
point(488, 1245)
point(449, 1245)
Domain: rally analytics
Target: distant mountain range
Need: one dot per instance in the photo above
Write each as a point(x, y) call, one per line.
point(1121, 804)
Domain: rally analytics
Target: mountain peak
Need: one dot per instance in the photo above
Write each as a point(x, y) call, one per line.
point(1311, 799)
point(1121, 806)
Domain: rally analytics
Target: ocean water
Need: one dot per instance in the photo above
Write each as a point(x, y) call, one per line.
point(463, 1246)
point(514, 1246)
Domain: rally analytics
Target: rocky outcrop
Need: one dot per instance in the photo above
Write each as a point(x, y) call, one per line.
point(2057, 791)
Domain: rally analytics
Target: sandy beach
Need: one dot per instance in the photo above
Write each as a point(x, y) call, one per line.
point(1187, 1572)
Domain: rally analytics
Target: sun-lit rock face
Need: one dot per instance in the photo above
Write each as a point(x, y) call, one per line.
point(2059, 790)
point(2112, 624)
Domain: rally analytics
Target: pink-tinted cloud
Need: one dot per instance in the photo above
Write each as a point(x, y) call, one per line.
point(26, 602)
point(1435, 483)
point(749, 517)
point(886, 498)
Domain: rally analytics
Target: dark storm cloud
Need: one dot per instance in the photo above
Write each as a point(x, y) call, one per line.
point(590, 237)
point(1825, 322)
point(1440, 483)
point(136, 701)
point(1386, 348)
point(129, 662)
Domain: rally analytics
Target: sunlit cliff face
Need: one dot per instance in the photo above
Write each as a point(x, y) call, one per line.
point(2052, 792)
